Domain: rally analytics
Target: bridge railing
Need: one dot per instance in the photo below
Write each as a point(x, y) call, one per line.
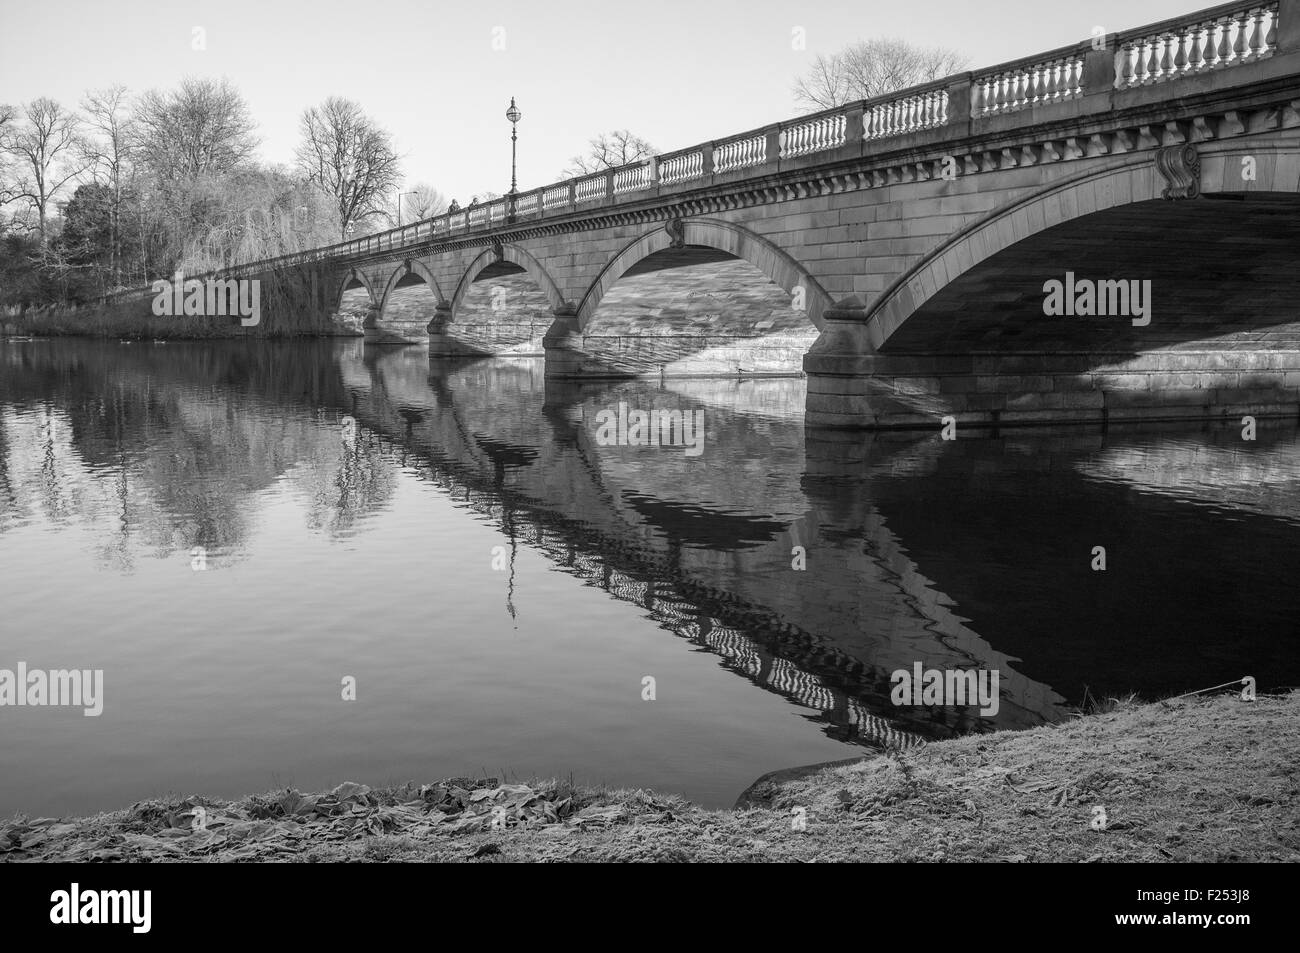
point(1219, 38)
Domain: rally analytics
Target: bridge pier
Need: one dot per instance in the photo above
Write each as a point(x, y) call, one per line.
point(563, 345)
point(442, 344)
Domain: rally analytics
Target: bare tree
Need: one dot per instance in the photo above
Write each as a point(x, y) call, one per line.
point(107, 149)
point(7, 189)
point(350, 157)
point(424, 201)
point(609, 151)
point(203, 127)
point(872, 68)
point(45, 150)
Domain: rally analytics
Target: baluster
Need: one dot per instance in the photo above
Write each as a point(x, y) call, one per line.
point(1239, 43)
point(1256, 18)
point(1195, 61)
point(1126, 67)
point(1180, 58)
point(1001, 84)
point(1166, 56)
point(1224, 49)
point(1270, 41)
point(1152, 64)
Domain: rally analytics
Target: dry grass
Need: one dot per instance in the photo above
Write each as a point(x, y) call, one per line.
point(1187, 780)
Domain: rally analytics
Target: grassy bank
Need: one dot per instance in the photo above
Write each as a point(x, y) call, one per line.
point(1210, 779)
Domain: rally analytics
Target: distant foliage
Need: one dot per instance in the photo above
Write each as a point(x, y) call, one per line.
point(127, 189)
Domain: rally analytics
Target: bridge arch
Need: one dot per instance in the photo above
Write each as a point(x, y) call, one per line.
point(351, 280)
point(735, 240)
point(411, 266)
point(516, 256)
point(1133, 182)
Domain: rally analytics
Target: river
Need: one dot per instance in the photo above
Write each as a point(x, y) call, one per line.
point(298, 564)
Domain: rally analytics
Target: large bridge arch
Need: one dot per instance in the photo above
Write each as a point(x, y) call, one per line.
point(350, 280)
point(1275, 165)
point(733, 239)
point(412, 266)
point(516, 256)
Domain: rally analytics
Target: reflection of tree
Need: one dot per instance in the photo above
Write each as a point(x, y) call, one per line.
point(348, 487)
point(159, 452)
point(9, 508)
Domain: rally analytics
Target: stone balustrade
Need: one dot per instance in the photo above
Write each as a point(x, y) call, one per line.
point(1219, 42)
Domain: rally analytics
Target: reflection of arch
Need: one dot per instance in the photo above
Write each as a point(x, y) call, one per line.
point(724, 236)
point(1075, 198)
point(350, 280)
point(412, 266)
point(516, 256)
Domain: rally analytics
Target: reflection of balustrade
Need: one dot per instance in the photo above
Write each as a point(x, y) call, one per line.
point(670, 603)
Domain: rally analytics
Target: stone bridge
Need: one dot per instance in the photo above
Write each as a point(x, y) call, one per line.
point(911, 242)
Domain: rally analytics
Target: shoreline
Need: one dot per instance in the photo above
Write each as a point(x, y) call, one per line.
point(1207, 779)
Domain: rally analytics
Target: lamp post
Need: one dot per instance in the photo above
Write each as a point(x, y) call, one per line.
point(514, 115)
point(399, 206)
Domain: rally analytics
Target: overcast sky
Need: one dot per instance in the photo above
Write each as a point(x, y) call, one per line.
point(676, 72)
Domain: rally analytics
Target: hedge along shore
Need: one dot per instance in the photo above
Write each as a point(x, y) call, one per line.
point(1200, 779)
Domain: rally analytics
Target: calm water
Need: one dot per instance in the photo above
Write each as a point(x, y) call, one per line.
point(202, 523)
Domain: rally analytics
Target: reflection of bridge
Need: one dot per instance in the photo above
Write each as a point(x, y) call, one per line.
point(916, 232)
point(828, 638)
